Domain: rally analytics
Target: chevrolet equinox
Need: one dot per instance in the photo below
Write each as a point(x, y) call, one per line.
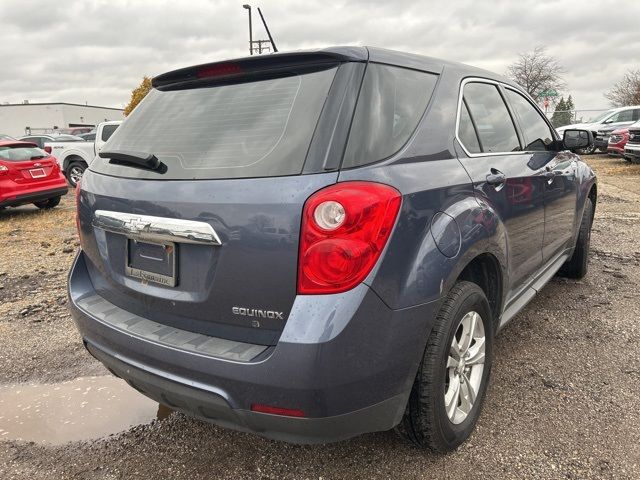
point(314, 245)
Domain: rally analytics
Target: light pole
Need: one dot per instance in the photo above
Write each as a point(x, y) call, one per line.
point(248, 8)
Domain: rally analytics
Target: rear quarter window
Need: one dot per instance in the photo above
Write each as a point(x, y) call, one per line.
point(391, 103)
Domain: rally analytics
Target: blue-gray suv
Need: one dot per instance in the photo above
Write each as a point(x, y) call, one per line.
point(315, 245)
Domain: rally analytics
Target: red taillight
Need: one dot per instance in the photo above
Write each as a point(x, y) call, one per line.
point(344, 229)
point(287, 412)
point(47, 149)
point(218, 70)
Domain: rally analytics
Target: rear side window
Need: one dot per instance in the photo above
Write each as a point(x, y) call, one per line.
point(107, 131)
point(537, 134)
point(467, 131)
point(491, 118)
point(21, 154)
point(391, 103)
point(255, 129)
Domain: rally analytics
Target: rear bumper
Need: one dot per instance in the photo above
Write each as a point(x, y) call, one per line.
point(32, 196)
point(347, 361)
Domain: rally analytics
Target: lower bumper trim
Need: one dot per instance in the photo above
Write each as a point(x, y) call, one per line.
point(34, 197)
point(213, 408)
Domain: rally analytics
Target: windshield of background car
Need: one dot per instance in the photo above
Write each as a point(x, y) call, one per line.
point(21, 153)
point(601, 117)
point(260, 128)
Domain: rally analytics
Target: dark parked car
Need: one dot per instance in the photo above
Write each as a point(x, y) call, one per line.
point(327, 242)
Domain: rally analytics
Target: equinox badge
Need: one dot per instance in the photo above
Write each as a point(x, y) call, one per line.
point(256, 312)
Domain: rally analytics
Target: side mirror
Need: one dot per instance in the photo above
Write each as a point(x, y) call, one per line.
point(577, 139)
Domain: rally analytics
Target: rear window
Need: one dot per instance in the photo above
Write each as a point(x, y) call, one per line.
point(107, 131)
point(255, 129)
point(391, 103)
point(20, 154)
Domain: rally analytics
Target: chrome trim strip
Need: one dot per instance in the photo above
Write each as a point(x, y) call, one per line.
point(147, 228)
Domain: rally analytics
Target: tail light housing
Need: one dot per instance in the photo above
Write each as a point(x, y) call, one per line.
point(345, 227)
point(47, 149)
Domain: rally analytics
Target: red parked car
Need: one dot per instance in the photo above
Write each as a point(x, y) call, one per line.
point(617, 140)
point(28, 174)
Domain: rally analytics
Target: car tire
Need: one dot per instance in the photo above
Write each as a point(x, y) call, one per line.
point(49, 203)
point(578, 265)
point(426, 422)
point(587, 151)
point(74, 172)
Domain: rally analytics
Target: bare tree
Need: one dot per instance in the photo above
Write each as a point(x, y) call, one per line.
point(536, 72)
point(627, 91)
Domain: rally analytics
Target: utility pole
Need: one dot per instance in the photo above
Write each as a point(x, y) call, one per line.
point(248, 8)
point(259, 46)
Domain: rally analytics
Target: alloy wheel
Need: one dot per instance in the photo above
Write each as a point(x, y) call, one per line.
point(465, 365)
point(75, 174)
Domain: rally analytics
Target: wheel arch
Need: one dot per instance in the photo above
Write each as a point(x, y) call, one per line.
point(70, 159)
point(485, 271)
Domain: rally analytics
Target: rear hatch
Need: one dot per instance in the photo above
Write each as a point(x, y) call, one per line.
point(191, 215)
point(26, 164)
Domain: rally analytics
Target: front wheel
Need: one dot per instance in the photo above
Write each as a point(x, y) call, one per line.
point(49, 203)
point(449, 389)
point(75, 170)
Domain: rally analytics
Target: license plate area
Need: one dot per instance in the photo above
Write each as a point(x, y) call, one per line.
point(151, 262)
point(37, 173)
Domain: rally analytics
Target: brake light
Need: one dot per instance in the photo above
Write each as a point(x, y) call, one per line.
point(287, 412)
point(47, 149)
point(344, 229)
point(218, 70)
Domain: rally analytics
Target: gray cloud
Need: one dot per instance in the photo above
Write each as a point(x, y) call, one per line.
point(97, 50)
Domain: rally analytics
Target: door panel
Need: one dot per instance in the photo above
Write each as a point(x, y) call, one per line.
point(519, 203)
point(560, 204)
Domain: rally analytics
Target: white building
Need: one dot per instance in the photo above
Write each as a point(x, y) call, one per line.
point(24, 118)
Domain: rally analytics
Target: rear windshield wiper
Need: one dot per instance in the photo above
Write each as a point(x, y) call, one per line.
point(137, 159)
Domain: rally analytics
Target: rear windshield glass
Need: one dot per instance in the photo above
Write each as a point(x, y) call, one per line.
point(390, 105)
point(20, 154)
point(255, 129)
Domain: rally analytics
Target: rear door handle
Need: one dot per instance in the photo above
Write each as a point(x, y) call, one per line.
point(496, 178)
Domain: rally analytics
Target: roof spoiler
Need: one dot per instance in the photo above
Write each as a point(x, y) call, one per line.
point(227, 70)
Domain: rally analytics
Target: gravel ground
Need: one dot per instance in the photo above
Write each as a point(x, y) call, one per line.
point(563, 400)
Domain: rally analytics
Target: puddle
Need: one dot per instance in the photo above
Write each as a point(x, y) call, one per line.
point(82, 409)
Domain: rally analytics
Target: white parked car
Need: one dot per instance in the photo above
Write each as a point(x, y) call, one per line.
point(616, 117)
point(75, 157)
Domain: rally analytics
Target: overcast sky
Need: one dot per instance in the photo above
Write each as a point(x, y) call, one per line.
point(97, 51)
